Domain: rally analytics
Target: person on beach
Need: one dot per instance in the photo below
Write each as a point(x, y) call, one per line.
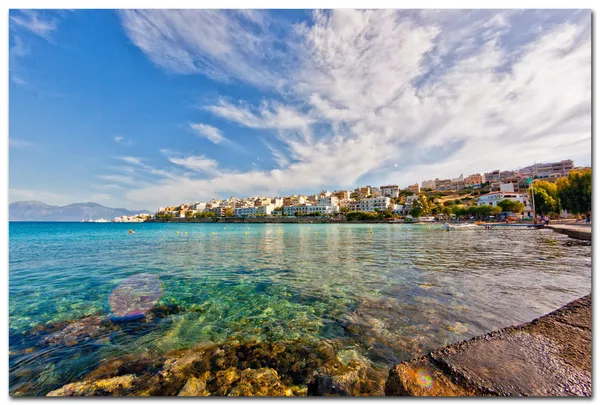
point(587, 218)
point(546, 220)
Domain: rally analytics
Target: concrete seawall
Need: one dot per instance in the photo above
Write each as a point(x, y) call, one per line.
point(583, 232)
point(549, 356)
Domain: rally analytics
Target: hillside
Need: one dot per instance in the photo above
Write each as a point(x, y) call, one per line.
point(38, 211)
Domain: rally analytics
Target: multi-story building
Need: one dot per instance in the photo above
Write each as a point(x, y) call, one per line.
point(429, 184)
point(245, 212)
point(370, 204)
point(277, 201)
point(554, 169)
point(515, 181)
point(458, 183)
point(341, 194)
point(473, 180)
point(266, 209)
point(345, 202)
point(443, 185)
point(414, 188)
point(491, 176)
point(305, 209)
point(364, 192)
point(328, 201)
point(508, 174)
point(294, 200)
point(391, 191)
point(219, 211)
point(199, 207)
point(375, 191)
point(312, 199)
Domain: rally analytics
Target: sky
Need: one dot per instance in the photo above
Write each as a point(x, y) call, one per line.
point(147, 108)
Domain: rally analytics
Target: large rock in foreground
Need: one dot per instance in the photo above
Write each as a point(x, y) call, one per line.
point(550, 356)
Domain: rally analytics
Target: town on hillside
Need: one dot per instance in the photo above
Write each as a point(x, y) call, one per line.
point(497, 194)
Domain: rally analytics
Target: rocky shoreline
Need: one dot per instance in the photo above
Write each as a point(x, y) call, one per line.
point(550, 356)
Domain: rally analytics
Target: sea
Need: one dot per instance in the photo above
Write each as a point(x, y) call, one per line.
point(389, 292)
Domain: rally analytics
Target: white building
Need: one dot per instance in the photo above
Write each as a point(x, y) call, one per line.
point(305, 209)
point(265, 209)
point(494, 198)
point(199, 207)
point(331, 200)
point(392, 191)
point(370, 204)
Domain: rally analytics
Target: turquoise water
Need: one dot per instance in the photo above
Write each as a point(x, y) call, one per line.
point(390, 291)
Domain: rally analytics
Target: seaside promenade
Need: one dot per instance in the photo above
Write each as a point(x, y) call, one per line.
point(549, 356)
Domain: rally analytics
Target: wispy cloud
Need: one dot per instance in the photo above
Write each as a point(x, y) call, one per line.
point(20, 143)
point(221, 44)
point(196, 163)
point(122, 140)
point(367, 89)
point(206, 131)
point(118, 178)
point(36, 22)
point(131, 159)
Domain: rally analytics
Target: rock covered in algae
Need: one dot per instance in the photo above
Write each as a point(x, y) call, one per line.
point(110, 386)
point(234, 369)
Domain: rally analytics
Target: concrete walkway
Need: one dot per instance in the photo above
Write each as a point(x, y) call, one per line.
point(550, 356)
point(579, 231)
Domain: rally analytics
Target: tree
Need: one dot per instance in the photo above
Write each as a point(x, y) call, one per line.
point(345, 209)
point(446, 211)
point(448, 203)
point(545, 203)
point(484, 210)
point(575, 192)
point(511, 206)
point(416, 210)
point(495, 210)
point(189, 214)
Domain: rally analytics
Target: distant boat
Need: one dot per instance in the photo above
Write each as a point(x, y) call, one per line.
point(459, 227)
point(427, 219)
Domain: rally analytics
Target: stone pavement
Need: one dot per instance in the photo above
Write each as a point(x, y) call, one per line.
point(578, 231)
point(550, 356)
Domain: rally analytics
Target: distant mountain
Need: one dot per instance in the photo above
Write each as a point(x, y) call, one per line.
point(38, 211)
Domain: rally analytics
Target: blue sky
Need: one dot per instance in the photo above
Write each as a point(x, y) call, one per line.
point(141, 109)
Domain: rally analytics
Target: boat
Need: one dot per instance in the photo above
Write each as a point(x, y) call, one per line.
point(459, 227)
point(427, 219)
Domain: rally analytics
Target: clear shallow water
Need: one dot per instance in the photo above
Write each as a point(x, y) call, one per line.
point(391, 293)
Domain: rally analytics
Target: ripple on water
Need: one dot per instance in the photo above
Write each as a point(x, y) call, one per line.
point(385, 295)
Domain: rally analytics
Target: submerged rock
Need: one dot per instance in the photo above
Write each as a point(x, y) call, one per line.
point(235, 369)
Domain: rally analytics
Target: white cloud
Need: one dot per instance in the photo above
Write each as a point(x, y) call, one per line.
point(206, 131)
point(119, 178)
point(435, 93)
point(122, 140)
point(222, 44)
point(20, 143)
point(131, 159)
point(267, 116)
point(36, 22)
point(196, 163)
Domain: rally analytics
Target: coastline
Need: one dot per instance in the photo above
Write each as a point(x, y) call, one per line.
point(548, 356)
